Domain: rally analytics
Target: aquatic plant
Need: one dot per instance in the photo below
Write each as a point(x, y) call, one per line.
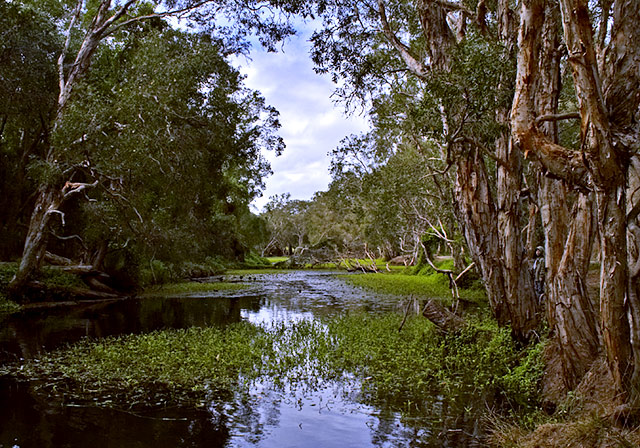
point(433, 285)
point(193, 287)
point(409, 370)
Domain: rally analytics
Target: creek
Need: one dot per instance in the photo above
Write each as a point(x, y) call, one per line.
point(266, 418)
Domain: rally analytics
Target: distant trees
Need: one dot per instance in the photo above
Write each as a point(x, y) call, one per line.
point(377, 205)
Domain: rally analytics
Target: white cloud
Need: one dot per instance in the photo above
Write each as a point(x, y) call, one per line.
point(312, 124)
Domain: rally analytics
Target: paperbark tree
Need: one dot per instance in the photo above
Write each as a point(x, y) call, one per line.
point(608, 100)
point(428, 39)
point(568, 238)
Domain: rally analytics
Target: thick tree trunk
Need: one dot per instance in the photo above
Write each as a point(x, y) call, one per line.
point(606, 164)
point(620, 65)
point(47, 203)
point(568, 241)
point(476, 211)
point(519, 291)
point(633, 236)
point(572, 311)
point(613, 286)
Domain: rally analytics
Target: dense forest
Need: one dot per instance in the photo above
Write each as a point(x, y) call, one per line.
point(128, 143)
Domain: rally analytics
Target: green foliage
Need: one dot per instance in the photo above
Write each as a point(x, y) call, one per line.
point(522, 383)
point(29, 43)
point(188, 135)
point(180, 364)
point(7, 271)
point(408, 366)
point(157, 272)
point(53, 277)
point(252, 260)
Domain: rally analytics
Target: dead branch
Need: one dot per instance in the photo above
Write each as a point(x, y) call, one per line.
point(445, 320)
point(465, 271)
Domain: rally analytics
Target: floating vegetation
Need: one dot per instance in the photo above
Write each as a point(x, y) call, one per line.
point(406, 370)
point(194, 287)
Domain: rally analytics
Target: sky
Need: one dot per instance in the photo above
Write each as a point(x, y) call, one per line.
point(312, 124)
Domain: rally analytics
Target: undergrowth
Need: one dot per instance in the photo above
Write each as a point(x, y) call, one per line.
point(7, 271)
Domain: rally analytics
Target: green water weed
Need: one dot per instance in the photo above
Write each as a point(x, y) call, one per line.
point(409, 370)
point(195, 287)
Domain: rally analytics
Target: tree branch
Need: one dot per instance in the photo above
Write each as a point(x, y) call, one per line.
point(71, 188)
point(557, 117)
point(175, 12)
point(416, 67)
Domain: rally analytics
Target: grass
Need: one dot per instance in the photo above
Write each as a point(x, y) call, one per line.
point(193, 287)
point(433, 285)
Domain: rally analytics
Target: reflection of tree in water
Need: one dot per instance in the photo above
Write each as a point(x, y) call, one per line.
point(434, 423)
point(254, 413)
point(30, 420)
point(27, 335)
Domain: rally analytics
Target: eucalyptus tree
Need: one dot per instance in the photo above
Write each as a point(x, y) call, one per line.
point(85, 28)
point(28, 44)
point(287, 224)
point(175, 139)
point(463, 70)
point(394, 187)
point(600, 39)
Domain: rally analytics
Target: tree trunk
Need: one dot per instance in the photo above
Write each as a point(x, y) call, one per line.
point(605, 162)
point(569, 306)
point(47, 203)
point(519, 292)
point(476, 211)
point(570, 310)
point(568, 241)
point(633, 235)
point(98, 258)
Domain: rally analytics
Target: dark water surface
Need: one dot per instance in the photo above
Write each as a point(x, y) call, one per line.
point(325, 418)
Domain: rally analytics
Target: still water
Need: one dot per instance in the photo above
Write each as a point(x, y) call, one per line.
point(328, 418)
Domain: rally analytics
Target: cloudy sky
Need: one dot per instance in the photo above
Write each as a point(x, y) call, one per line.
point(312, 124)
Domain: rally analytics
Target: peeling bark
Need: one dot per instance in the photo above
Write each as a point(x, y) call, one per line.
point(568, 239)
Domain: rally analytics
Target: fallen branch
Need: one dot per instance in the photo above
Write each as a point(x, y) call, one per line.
point(445, 320)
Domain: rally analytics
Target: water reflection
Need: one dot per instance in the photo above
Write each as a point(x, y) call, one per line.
point(26, 420)
point(331, 416)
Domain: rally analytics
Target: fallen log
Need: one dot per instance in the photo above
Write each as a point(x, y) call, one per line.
point(40, 292)
point(57, 260)
point(444, 319)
